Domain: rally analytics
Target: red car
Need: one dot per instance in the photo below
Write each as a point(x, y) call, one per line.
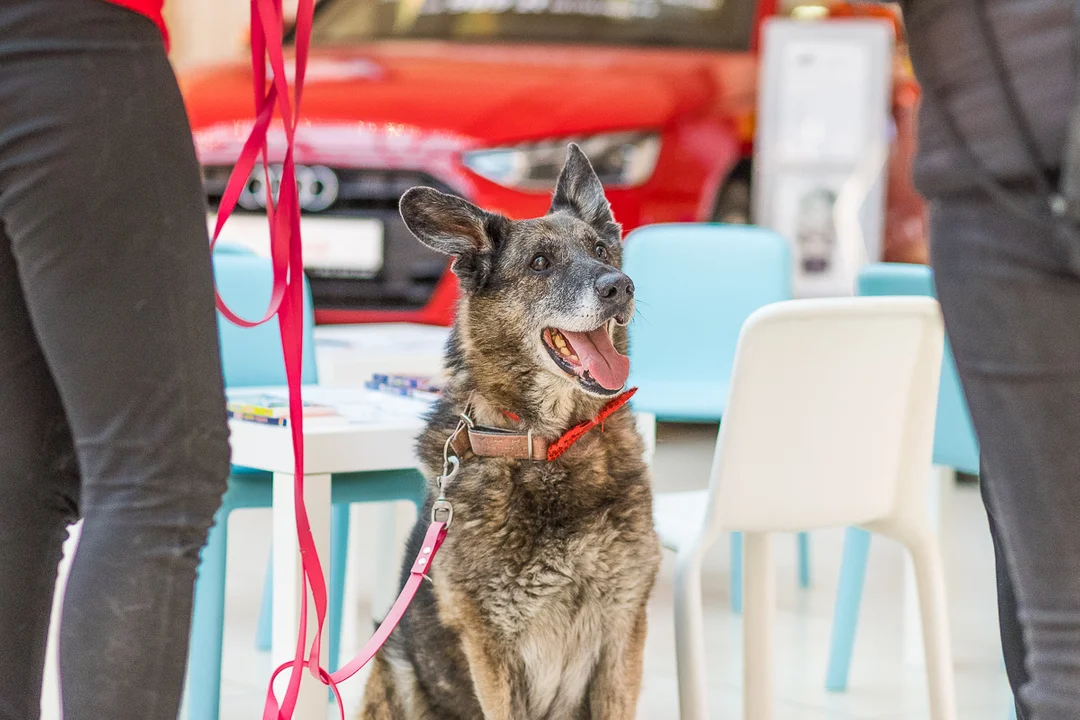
point(479, 98)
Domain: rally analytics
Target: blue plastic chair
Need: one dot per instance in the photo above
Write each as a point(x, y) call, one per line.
point(253, 357)
point(955, 447)
point(696, 283)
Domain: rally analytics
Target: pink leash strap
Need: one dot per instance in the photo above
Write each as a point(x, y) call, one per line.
point(436, 533)
point(421, 566)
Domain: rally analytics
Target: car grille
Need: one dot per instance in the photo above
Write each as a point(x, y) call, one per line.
point(358, 188)
point(410, 270)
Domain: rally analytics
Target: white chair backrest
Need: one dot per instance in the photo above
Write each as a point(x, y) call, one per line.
point(831, 408)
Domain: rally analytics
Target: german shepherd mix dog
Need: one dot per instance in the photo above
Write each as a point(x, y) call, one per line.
point(537, 606)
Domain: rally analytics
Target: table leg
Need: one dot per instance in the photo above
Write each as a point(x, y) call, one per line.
point(387, 562)
point(311, 704)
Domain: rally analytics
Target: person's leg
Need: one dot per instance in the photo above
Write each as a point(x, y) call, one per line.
point(1011, 303)
point(101, 197)
point(1012, 635)
point(39, 489)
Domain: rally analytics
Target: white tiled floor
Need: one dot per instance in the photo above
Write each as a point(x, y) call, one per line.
point(882, 686)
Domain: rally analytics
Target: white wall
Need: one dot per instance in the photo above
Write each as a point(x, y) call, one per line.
point(209, 31)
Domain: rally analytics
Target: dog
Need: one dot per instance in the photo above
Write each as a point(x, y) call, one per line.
point(537, 606)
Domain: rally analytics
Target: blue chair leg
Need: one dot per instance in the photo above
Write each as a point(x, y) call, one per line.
point(736, 573)
point(846, 613)
point(208, 626)
point(339, 548)
point(264, 634)
point(804, 559)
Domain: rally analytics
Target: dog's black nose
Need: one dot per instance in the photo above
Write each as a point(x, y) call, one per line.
point(614, 286)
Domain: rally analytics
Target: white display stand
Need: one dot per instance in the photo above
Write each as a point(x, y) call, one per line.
point(822, 146)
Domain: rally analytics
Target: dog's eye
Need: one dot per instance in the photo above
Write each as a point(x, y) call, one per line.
point(540, 263)
point(601, 251)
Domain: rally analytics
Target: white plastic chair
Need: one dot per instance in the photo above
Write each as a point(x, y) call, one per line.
point(830, 422)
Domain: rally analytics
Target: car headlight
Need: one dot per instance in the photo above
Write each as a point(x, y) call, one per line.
point(622, 159)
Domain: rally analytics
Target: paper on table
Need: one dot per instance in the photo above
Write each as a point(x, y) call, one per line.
point(359, 405)
point(367, 406)
point(359, 413)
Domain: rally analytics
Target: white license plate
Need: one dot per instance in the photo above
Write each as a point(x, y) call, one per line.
point(333, 246)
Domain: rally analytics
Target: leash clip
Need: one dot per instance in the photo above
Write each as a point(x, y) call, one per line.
point(450, 466)
point(455, 464)
point(442, 506)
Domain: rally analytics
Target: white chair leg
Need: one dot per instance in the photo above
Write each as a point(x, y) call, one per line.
point(941, 481)
point(50, 687)
point(930, 578)
point(914, 652)
point(759, 606)
point(690, 639)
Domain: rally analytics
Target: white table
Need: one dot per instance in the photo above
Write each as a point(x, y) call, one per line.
point(381, 437)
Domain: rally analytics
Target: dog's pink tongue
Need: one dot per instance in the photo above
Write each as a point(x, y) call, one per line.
point(600, 357)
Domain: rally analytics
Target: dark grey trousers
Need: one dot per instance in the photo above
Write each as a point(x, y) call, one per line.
point(111, 399)
point(1010, 292)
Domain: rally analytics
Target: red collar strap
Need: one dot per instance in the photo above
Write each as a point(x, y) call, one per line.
point(494, 442)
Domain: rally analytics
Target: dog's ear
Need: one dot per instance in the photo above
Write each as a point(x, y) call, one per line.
point(455, 227)
point(579, 191)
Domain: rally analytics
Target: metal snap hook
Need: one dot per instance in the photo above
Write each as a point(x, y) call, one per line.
point(451, 465)
point(445, 509)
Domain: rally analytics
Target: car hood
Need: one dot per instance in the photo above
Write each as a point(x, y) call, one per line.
point(485, 95)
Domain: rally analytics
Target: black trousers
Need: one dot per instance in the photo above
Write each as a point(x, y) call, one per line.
point(111, 399)
point(1009, 287)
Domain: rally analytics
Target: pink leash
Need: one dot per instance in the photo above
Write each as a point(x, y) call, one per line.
point(286, 302)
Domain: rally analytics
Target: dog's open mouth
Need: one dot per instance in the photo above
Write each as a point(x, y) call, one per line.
point(589, 356)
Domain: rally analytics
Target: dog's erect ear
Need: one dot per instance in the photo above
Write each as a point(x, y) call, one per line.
point(455, 227)
point(580, 192)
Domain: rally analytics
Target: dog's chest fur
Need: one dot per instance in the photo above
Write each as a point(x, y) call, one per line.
point(538, 553)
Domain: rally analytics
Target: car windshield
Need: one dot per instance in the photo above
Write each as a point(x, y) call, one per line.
point(706, 24)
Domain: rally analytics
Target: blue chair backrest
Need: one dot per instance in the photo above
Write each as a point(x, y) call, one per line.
point(252, 356)
point(696, 283)
point(955, 445)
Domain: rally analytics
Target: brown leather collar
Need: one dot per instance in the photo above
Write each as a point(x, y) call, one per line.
point(495, 442)
point(492, 442)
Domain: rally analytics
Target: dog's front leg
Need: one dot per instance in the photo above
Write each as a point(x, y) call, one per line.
point(490, 671)
point(613, 693)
